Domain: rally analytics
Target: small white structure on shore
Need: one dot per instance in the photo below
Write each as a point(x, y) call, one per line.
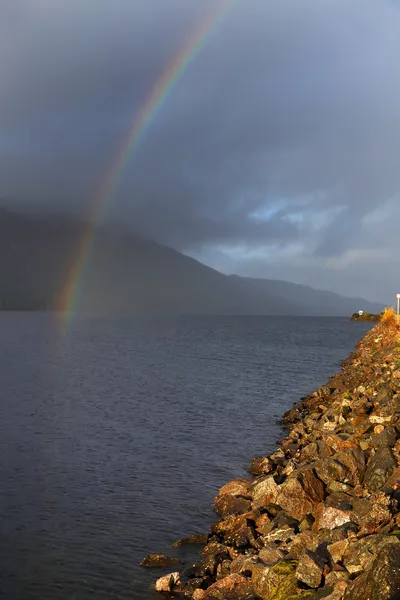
point(360, 312)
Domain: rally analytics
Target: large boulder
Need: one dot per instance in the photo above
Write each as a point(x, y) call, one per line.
point(382, 580)
point(360, 554)
point(168, 583)
point(379, 469)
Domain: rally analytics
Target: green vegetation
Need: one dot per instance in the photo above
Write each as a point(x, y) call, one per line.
point(366, 316)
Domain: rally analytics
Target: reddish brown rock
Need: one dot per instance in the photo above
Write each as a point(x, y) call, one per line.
point(312, 486)
point(237, 487)
point(262, 521)
point(227, 505)
point(232, 587)
point(394, 479)
point(327, 517)
point(293, 499)
point(237, 531)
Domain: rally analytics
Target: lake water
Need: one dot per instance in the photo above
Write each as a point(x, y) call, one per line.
point(116, 436)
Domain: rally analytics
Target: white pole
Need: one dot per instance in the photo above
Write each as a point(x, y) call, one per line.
point(398, 305)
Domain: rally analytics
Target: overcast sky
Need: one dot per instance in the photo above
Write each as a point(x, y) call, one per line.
point(276, 154)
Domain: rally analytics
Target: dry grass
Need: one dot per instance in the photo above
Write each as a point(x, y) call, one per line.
point(389, 318)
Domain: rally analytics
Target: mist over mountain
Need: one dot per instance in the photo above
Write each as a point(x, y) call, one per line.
point(127, 274)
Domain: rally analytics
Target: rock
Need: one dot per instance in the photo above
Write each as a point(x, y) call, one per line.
point(306, 523)
point(237, 531)
point(338, 590)
point(264, 491)
point(223, 569)
point(379, 469)
point(329, 470)
point(234, 497)
point(353, 459)
point(327, 517)
point(237, 487)
point(309, 453)
point(168, 583)
point(310, 568)
point(306, 539)
point(262, 521)
point(232, 587)
point(212, 555)
point(339, 500)
point(270, 554)
point(361, 553)
point(194, 584)
point(369, 515)
point(313, 487)
point(337, 550)
point(159, 561)
point(336, 486)
point(196, 538)
point(293, 499)
point(385, 439)
point(260, 466)
point(266, 580)
point(280, 534)
point(381, 581)
point(332, 578)
point(243, 564)
point(231, 505)
point(394, 479)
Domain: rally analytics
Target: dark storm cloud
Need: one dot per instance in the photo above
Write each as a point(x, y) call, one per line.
point(276, 151)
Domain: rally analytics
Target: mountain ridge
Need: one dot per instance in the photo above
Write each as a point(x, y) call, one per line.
point(128, 274)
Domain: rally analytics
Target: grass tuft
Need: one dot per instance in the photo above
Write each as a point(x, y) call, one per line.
point(389, 318)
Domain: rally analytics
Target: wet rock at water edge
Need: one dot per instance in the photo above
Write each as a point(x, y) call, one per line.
point(159, 561)
point(195, 539)
point(169, 583)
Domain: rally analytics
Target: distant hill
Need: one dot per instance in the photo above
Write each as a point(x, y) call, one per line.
point(130, 275)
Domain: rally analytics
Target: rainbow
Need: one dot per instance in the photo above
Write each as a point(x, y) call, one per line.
point(106, 192)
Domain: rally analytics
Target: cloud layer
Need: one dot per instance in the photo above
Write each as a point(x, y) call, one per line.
point(276, 153)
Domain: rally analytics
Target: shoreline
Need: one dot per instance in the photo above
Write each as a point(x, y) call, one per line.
point(319, 517)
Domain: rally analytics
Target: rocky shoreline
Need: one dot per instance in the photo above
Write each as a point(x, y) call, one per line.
point(318, 518)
